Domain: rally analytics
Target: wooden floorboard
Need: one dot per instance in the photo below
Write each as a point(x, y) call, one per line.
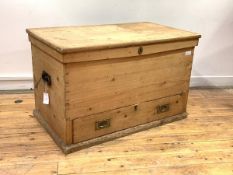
point(200, 144)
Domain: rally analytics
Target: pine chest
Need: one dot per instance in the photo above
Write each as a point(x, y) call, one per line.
point(97, 83)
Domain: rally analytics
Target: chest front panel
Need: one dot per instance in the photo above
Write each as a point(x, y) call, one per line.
point(94, 87)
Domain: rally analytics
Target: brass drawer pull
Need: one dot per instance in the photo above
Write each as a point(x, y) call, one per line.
point(163, 108)
point(102, 124)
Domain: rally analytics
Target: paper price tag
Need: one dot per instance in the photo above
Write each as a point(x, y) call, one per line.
point(45, 98)
point(187, 53)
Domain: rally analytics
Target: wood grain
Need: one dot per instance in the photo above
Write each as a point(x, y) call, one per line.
point(82, 38)
point(54, 112)
point(95, 69)
point(126, 117)
point(202, 144)
point(112, 53)
point(125, 52)
point(93, 87)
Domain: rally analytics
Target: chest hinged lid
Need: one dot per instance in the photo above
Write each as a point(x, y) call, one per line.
point(85, 43)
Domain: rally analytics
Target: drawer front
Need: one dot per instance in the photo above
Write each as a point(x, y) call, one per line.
point(100, 124)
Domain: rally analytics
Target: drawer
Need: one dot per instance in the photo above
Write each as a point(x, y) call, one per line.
point(92, 126)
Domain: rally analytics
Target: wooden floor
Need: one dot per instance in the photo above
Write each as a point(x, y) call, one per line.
point(201, 144)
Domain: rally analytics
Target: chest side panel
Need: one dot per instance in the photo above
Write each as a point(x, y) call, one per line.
point(54, 112)
point(98, 86)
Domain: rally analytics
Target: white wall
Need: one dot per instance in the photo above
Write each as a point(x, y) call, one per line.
point(213, 19)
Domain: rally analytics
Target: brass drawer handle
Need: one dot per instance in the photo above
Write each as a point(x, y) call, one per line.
point(163, 108)
point(102, 124)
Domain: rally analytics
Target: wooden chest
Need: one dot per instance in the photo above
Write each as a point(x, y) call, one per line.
point(97, 83)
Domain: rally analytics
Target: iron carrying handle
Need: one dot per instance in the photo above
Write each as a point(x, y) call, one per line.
point(46, 78)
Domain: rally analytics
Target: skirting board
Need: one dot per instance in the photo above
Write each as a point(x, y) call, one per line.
point(13, 83)
point(16, 83)
point(211, 81)
point(85, 144)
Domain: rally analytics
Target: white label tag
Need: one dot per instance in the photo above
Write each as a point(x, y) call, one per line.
point(45, 98)
point(187, 53)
